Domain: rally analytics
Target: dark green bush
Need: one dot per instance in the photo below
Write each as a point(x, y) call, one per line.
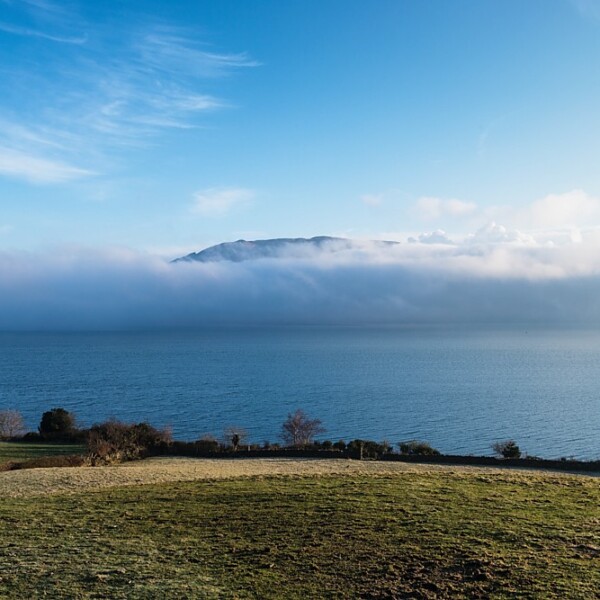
point(366, 448)
point(416, 447)
point(33, 437)
point(507, 449)
point(58, 424)
point(340, 445)
point(206, 445)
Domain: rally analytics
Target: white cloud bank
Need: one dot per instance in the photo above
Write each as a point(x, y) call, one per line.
point(475, 281)
point(571, 209)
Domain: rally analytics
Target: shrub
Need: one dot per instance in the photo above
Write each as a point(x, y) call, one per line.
point(57, 424)
point(33, 437)
point(114, 441)
point(507, 449)
point(386, 447)
point(416, 447)
point(366, 448)
point(340, 445)
point(206, 445)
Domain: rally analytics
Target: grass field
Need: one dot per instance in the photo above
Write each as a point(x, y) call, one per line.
point(19, 451)
point(411, 534)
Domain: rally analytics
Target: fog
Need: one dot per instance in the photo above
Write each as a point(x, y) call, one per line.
point(494, 276)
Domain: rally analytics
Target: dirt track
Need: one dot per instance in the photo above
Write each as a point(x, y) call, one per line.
point(35, 482)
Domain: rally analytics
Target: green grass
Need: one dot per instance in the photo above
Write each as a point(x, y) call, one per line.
point(412, 535)
point(19, 451)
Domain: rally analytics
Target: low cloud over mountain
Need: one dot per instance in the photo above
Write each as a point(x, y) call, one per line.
point(494, 276)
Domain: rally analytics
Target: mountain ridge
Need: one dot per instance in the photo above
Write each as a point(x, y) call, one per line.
point(243, 250)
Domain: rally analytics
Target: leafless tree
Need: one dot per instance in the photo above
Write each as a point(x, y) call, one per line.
point(11, 424)
point(299, 430)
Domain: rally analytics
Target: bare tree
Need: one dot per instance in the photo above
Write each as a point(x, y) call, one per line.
point(299, 430)
point(11, 424)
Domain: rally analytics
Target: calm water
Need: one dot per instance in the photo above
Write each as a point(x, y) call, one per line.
point(459, 391)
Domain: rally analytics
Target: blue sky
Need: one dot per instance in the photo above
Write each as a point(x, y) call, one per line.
point(168, 126)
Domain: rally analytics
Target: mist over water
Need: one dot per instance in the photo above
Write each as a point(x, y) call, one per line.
point(459, 389)
point(550, 281)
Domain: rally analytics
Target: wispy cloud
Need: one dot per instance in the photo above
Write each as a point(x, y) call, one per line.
point(115, 87)
point(430, 208)
point(372, 199)
point(170, 49)
point(220, 201)
point(35, 33)
point(36, 169)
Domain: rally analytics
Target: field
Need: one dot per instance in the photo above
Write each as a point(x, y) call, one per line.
point(312, 531)
point(19, 451)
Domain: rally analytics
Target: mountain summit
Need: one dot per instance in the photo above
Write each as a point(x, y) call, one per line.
point(278, 248)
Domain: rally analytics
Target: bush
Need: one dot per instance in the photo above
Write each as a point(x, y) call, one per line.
point(507, 449)
point(418, 448)
point(206, 445)
point(366, 448)
point(114, 441)
point(58, 424)
point(32, 436)
point(340, 445)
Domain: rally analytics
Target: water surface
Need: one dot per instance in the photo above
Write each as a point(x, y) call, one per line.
point(458, 390)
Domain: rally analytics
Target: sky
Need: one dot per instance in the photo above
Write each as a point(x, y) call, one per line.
point(135, 132)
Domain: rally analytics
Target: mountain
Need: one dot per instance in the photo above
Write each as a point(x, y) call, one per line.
point(279, 248)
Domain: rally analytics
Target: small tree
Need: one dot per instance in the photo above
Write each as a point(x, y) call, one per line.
point(11, 424)
point(57, 423)
point(507, 449)
point(235, 436)
point(298, 430)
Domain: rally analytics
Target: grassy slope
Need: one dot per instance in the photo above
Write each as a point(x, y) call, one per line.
point(412, 535)
point(18, 451)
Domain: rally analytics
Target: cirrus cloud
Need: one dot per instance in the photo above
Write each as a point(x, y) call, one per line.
point(220, 200)
point(430, 208)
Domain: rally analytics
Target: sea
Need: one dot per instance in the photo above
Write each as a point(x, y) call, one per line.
point(459, 389)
